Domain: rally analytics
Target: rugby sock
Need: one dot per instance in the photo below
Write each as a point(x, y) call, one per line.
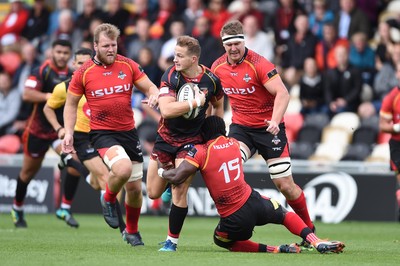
point(299, 206)
point(109, 195)
point(250, 246)
point(177, 216)
point(20, 192)
point(132, 219)
point(312, 238)
point(70, 186)
point(83, 171)
point(294, 223)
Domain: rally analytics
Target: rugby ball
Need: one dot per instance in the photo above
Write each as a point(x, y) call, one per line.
point(186, 93)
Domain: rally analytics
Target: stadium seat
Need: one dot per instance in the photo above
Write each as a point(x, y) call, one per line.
point(294, 106)
point(357, 152)
point(9, 144)
point(347, 120)
point(293, 123)
point(309, 134)
point(318, 120)
point(366, 135)
point(393, 6)
point(301, 150)
point(330, 152)
point(380, 153)
point(336, 135)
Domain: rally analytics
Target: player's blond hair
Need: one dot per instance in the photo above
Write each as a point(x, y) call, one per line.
point(233, 27)
point(192, 44)
point(110, 30)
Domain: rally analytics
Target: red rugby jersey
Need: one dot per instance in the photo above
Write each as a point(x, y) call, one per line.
point(108, 90)
point(220, 164)
point(391, 108)
point(243, 83)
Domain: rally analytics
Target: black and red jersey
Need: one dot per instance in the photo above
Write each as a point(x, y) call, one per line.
point(44, 79)
point(221, 167)
point(178, 131)
point(243, 83)
point(108, 90)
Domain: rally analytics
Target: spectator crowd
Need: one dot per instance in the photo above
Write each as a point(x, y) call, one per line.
point(337, 56)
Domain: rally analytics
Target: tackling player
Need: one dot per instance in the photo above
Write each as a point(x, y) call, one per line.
point(240, 207)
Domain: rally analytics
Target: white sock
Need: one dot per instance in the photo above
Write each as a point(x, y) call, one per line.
point(173, 239)
point(18, 208)
point(65, 206)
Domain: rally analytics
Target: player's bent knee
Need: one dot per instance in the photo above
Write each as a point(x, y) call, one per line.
point(222, 242)
point(281, 167)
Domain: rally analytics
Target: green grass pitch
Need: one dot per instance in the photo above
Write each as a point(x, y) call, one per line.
point(49, 241)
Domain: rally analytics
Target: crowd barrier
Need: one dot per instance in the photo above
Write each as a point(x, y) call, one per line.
point(335, 192)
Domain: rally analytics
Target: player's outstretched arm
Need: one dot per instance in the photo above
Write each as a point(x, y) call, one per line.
point(178, 175)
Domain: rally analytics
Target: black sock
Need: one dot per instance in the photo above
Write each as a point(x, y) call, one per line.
point(83, 171)
point(177, 216)
point(70, 186)
point(20, 192)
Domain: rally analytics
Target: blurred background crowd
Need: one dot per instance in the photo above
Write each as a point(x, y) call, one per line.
point(335, 57)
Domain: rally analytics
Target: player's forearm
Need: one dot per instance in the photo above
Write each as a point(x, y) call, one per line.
point(171, 176)
point(280, 105)
point(69, 118)
point(51, 117)
point(34, 96)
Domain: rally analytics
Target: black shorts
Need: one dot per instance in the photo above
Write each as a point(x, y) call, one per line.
point(166, 153)
point(256, 211)
point(84, 149)
point(36, 147)
point(394, 154)
point(258, 139)
point(129, 140)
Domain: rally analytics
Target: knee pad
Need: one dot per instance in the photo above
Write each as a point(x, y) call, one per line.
point(137, 172)
point(118, 153)
point(281, 167)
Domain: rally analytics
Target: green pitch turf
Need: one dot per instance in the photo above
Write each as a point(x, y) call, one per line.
point(49, 241)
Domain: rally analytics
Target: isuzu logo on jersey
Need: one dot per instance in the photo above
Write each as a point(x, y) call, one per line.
point(121, 75)
point(247, 78)
point(111, 90)
point(241, 91)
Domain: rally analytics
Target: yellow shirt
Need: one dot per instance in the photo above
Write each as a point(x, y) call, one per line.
point(57, 100)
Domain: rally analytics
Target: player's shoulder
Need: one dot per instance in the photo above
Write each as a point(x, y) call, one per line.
point(222, 60)
point(255, 58)
point(171, 75)
point(121, 58)
point(88, 65)
point(44, 68)
point(210, 74)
